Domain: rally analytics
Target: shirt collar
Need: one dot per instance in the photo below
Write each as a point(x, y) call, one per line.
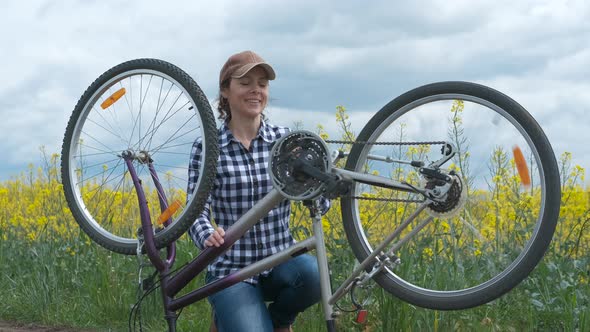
point(226, 135)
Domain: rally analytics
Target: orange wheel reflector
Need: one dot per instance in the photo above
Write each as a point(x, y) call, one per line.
point(113, 98)
point(523, 170)
point(168, 212)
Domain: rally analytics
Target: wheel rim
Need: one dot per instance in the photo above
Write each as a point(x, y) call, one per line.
point(163, 120)
point(419, 275)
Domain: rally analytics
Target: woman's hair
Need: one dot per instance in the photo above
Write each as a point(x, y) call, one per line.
point(223, 104)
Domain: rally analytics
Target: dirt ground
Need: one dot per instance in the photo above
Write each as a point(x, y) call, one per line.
point(22, 327)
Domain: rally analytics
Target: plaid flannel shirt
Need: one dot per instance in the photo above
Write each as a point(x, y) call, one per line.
point(242, 180)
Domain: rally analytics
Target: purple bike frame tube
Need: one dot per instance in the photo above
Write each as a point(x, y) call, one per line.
point(232, 234)
point(146, 223)
point(245, 273)
point(171, 249)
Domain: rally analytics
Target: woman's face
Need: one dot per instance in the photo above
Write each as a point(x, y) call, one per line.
point(247, 95)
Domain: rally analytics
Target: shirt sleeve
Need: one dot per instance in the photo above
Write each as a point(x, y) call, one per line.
point(201, 228)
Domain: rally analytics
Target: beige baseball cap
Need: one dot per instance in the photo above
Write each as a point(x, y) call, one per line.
point(241, 63)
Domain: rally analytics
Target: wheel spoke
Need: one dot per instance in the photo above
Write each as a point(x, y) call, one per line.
point(486, 218)
point(161, 101)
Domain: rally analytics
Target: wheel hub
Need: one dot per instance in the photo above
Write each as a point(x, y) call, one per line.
point(452, 203)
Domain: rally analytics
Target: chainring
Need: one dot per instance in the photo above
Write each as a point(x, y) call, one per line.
point(305, 146)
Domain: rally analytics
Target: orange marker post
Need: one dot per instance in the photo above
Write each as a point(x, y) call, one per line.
point(168, 212)
point(113, 98)
point(521, 166)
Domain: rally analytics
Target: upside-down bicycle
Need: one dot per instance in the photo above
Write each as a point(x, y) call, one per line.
point(449, 195)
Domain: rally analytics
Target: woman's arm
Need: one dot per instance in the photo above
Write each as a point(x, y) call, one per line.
point(201, 228)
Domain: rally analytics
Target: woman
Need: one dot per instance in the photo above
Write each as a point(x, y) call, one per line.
point(242, 179)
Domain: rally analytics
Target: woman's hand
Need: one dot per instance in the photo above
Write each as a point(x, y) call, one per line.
point(216, 238)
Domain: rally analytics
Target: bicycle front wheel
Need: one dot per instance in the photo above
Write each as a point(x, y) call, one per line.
point(498, 217)
point(152, 110)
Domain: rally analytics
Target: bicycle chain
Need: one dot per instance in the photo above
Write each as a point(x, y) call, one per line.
point(385, 143)
point(401, 200)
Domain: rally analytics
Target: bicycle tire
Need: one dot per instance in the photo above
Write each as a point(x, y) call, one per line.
point(87, 116)
point(433, 293)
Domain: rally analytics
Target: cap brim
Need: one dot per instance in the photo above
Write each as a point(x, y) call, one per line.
point(240, 72)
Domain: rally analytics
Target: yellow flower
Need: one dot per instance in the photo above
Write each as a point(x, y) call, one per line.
point(427, 253)
point(445, 226)
point(70, 251)
point(31, 236)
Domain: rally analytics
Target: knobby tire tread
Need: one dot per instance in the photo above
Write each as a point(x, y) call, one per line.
point(540, 244)
point(162, 239)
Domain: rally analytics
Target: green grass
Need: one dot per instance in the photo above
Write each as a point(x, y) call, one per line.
point(86, 286)
point(63, 279)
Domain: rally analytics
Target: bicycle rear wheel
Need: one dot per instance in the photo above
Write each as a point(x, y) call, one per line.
point(497, 221)
point(148, 108)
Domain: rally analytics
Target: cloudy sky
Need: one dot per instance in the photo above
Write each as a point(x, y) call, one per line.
point(360, 54)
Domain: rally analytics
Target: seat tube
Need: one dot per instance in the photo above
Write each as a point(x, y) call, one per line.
point(326, 287)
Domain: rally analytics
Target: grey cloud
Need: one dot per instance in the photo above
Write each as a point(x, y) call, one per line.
point(359, 54)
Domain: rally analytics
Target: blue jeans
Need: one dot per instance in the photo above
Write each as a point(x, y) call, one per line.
point(290, 287)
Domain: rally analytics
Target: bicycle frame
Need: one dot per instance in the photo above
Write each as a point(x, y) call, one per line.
point(172, 284)
point(459, 194)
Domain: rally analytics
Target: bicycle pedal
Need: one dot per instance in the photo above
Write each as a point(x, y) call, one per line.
point(361, 316)
point(147, 283)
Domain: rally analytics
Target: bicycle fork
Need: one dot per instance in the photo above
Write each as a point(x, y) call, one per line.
point(146, 236)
